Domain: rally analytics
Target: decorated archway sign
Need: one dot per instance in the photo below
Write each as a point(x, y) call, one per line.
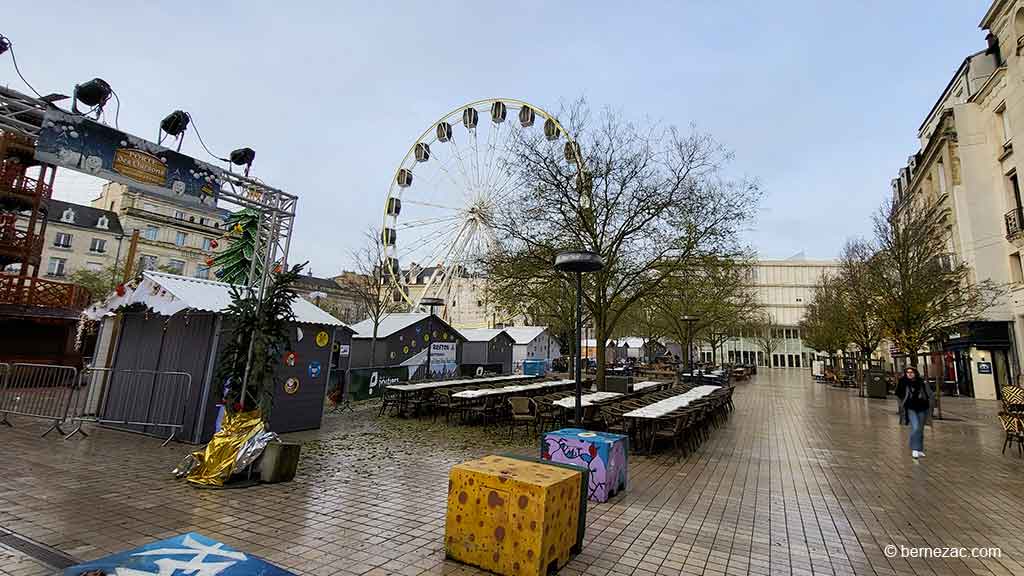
point(189, 553)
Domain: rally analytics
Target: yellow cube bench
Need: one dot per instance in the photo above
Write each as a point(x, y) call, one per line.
point(512, 516)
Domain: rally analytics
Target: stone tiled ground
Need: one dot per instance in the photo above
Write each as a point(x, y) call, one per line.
point(802, 480)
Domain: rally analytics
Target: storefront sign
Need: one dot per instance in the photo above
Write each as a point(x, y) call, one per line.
point(369, 382)
point(343, 349)
point(984, 367)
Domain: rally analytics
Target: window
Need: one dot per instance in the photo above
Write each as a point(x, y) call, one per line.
point(62, 240)
point(147, 262)
point(68, 216)
point(179, 215)
point(176, 266)
point(202, 271)
point(1004, 125)
point(206, 244)
point(94, 266)
point(180, 238)
point(202, 221)
point(56, 266)
point(1016, 270)
point(98, 245)
point(151, 233)
point(940, 169)
point(103, 222)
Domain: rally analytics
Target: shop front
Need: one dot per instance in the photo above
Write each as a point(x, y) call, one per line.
point(980, 355)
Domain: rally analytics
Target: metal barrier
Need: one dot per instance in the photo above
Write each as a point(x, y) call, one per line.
point(130, 397)
point(37, 391)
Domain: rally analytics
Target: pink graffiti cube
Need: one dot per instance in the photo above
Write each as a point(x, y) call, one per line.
point(605, 455)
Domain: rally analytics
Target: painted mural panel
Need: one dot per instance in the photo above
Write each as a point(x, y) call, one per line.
point(604, 454)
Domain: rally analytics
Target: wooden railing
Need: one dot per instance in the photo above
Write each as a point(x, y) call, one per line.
point(15, 242)
point(14, 181)
point(27, 291)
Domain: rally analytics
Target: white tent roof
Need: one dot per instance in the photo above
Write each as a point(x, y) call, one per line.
point(481, 334)
point(388, 325)
point(632, 341)
point(525, 334)
point(168, 294)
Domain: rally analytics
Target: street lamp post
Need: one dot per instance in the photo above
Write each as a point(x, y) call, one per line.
point(690, 320)
point(579, 262)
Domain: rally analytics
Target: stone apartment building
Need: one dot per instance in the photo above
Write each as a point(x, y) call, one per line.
point(176, 233)
point(80, 238)
point(967, 161)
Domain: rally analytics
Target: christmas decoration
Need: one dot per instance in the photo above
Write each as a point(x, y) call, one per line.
point(235, 262)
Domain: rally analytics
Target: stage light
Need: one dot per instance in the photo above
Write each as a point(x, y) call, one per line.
point(243, 157)
point(175, 123)
point(93, 93)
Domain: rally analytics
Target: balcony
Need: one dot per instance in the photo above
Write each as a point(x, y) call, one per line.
point(1015, 226)
point(37, 293)
point(18, 190)
point(16, 244)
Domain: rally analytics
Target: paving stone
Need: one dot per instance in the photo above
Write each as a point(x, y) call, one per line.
point(802, 479)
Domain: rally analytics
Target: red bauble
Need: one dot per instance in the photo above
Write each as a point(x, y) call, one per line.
point(213, 243)
point(120, 290)
point(209, 261)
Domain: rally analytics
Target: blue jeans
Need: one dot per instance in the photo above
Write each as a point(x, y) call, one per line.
point(916, 418)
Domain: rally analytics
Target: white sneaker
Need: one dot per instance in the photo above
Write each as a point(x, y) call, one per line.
point(920, 453)
point(915, 453)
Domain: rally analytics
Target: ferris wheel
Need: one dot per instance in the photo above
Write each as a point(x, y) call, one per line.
point(441, 206)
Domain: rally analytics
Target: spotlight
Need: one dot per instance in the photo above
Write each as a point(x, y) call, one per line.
point(93, 93)
point(243, 157)
point(174, 124)
point(4, 44)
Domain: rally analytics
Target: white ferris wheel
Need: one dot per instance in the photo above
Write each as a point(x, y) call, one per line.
point(441, 205)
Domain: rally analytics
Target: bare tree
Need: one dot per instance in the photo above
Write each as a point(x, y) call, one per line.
point(369, 287)
point(651, 201)
point(718, 293)
point(864, 326)
point(921, 291)
point(825, 326)
point(766, 335)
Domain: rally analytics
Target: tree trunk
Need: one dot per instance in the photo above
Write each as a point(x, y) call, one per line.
point(373, 345)
point(602, 341)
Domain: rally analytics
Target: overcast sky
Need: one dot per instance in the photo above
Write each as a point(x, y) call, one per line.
point(819, 100)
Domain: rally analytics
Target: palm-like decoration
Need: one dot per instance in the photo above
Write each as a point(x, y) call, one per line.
point(259, 336)
point(234, 263)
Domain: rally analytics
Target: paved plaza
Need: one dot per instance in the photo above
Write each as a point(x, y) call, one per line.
point(802, 479)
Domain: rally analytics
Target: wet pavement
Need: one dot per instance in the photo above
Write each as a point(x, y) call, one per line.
point(803, 479)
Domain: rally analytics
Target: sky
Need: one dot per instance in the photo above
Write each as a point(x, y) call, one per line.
point(819, 101)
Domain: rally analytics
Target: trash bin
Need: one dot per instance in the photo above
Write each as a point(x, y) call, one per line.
point(877, 386)
point(534, 367)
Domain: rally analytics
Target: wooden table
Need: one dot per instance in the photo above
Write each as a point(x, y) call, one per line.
point(646, 417)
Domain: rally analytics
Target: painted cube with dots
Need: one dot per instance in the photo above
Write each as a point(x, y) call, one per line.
point(512, 516)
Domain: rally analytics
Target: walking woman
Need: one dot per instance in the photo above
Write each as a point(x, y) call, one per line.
point(916, 399)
